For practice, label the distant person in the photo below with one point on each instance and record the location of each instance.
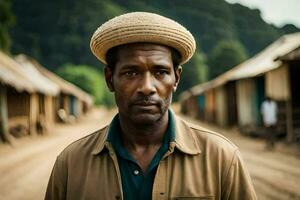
(269, 116)
(147, 152)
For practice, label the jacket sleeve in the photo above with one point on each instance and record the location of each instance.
(238, 184)
(56, 189)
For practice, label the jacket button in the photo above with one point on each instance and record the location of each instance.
(117, 197)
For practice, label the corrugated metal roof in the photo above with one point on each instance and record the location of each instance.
(10, 75)
(42, 83)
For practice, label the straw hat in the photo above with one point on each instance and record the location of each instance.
(142, 27)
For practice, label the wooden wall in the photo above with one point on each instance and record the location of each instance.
(231, 103)
(210, 106)
(18, 109)
(221, 106)
(246, 102)
(277, 83)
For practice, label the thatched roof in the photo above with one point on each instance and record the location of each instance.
(266, 60)
(269, 59)
(64, 86)
(42, 83)
(292, 56)
(10, 75)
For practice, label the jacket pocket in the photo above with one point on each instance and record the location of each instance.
(194, 198)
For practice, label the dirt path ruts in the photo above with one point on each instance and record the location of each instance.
(25, 168)
(276, 175)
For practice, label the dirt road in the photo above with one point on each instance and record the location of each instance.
(275, 174)
(25, 168)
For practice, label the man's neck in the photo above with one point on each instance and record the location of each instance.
(142, 142)
(134, 136)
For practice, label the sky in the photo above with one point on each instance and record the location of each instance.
(277, 12)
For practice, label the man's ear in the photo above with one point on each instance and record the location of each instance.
(108, 73)
(177, 77)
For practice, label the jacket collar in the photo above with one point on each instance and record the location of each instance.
(101, 141)
(185, 140)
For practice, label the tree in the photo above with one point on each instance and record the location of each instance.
(59, 31)
(224, 56)
(251, 30)
(7, 20)
(193, 73)
(289, 28)
(88, 79)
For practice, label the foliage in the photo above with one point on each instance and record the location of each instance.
(224, 56)
(7, 19)
(88, 79)
(194, 72)
(58, 31)
(253, 33)
(289, 28)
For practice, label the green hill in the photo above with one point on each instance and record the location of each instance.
(58, 31)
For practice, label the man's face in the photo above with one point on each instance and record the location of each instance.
(143, 82)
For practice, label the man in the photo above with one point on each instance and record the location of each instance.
(269, 116)
(147, 152)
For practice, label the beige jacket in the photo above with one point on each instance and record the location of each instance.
(198, 165)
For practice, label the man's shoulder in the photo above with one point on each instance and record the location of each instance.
(85, 145)
(211, 135)
(208, 139)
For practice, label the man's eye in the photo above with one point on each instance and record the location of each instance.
(130, 73)
(162, 72)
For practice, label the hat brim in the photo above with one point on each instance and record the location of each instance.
(172, 35)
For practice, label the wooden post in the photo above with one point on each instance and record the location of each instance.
(289, 121)
(33, 113)
(289, 108)
(49, 115)
(66, 103)
(4, 116)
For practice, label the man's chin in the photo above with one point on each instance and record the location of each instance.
(146, 119)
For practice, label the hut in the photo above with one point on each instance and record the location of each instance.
(71, 102)
(283, 84)
(47, 90)
(273, 72)
(200, 101)
(266, 75)
(190, 106)
(19, 98)
(11, 82)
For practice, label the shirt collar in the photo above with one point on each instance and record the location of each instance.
(181, 136)
(185, 139)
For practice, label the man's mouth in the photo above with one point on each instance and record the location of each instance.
(145, 104)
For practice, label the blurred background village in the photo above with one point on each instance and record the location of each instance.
(52, 90)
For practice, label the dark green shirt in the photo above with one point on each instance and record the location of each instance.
(136, 184)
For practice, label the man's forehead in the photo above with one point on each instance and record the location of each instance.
(145, 53)
(144, 47)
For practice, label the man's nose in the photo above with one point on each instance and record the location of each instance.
(147, 85)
